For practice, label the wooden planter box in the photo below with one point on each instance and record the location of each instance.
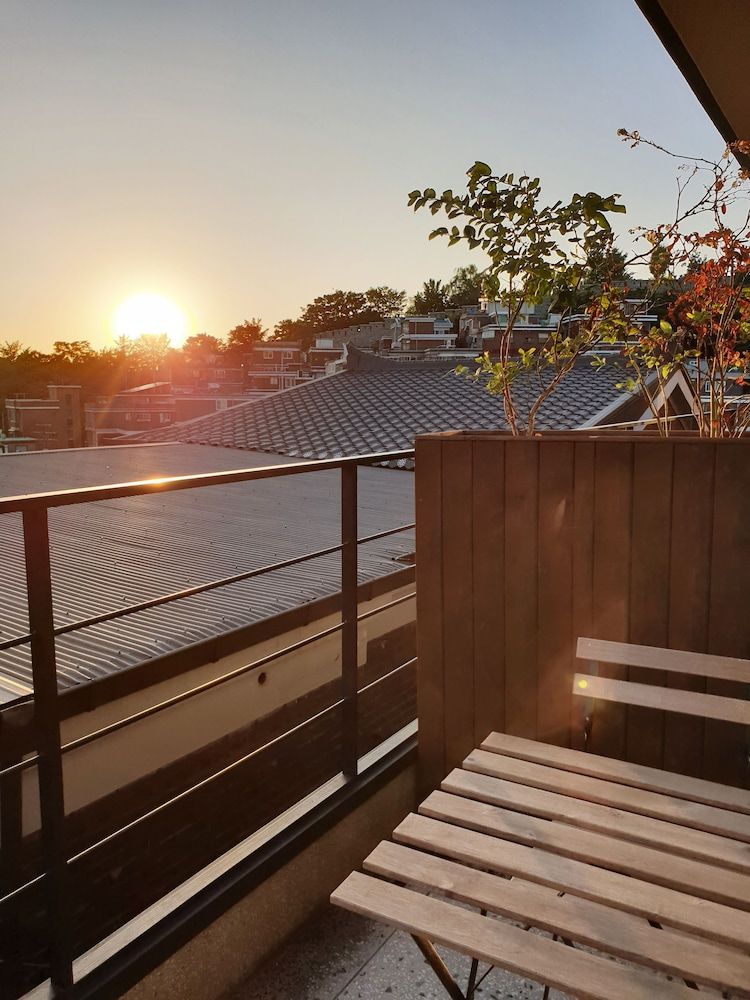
(525, 544)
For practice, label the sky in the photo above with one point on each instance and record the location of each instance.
(244, 156)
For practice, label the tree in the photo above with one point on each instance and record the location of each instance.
(150, 351)
(465, 287)
(10, 350)
(606, 266)
(201, 346)
(385, 301)
(294, 329)
(337, 310)
(242, 337)
(73, 352)
(535, 251)
(432, 298)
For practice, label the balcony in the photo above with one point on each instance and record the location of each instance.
(270, 760)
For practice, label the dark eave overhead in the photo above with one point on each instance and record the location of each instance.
(709, 41)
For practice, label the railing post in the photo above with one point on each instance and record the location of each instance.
(349, 617)
(47, 724)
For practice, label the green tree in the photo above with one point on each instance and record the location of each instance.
(434, 297)
(607, 266)
(337, 310)
(294, 329)
(73, 352)
(535, 251)
(385, 301)
(465, 287)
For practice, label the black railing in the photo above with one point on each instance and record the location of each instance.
(45, 727)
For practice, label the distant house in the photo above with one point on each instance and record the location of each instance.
(423, 333)
(380, 404)
(271, 365)
(51, 423)
(144, 407)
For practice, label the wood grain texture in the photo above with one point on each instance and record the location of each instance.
(674, 810)
(579, 920)
(708, 706)
(660, 659)
(614, 822)
(633, 775)
(658, 867)
(510, 948)
(679, 910)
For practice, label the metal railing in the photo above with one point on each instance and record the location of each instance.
(46, 726)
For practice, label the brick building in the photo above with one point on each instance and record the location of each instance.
(51, 423)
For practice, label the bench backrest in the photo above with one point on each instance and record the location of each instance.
(708, 706)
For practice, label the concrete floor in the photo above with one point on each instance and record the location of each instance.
(341, 956)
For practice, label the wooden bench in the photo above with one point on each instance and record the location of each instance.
(642, 865)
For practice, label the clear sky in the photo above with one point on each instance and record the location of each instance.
(244, 156)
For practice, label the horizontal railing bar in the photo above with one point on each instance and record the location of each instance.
(379, 680)
(203, 783)
(113, 727)
(155, 602)
(385, 534)
(116, 491)
(19, 890)
(20, 765)
(386, 607)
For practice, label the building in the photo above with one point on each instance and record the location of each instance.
(324, 353)
(363, 335)
(275, 364)
(144, 407)
(423, 333)
(51, 423)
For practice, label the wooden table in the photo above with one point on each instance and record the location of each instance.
(650, 867)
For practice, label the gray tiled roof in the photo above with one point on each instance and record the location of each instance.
(378, 405)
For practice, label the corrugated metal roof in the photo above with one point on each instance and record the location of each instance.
(110, 554)
(382, 405)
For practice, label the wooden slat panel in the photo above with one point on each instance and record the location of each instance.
(583, 567)
(458, 600)
(555, 625)
(649, 587)
(618, 823)
(489, 606)
(612, 538)
(726, 749)
(656, 867)
(708, 706)
(658, 658)
(709, 920)
(680, 811)
(520, 591)
(690, 575)
(576, 919)
(632, 775)
(430, 687)
(508, 947)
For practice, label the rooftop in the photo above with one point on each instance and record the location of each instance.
(382, 405)
(111, 554)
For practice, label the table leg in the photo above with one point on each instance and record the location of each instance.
(439, 968)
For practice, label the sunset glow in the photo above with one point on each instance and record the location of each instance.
(149, 313)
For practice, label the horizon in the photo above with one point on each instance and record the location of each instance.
(241, 161)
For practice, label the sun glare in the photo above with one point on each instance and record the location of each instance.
(151, 314)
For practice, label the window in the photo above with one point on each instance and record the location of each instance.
(288, 354)
(268, 355)
(165, 418)
(274, 380)
(143, 418)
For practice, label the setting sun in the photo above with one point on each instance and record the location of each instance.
(150, 314)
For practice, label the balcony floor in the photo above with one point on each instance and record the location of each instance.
(341, 956)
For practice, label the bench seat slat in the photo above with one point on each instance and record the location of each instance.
(680, 811)
(626, 654)
(679, 910)
(593, 924)
(632, 775)
(573, 971)
(655, 866)
(615, 822)
(707, 706)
